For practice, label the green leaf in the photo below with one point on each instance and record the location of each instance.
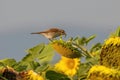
(76, 38)
(82, 40)
(52, 75)
(96, 47)
(42, 68)
(26, 65)
(46, 55)
(36, 49)
(83, 70)
(116, 33)
(33, 65)
(34, 52)
(20, 66)
(8, 62)
(92, 61)
(42, 53)
(90, 38)
(37, 56)
(28, 58)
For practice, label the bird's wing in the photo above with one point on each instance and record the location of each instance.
(53, 29)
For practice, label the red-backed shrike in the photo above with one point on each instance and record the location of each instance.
(51, 33)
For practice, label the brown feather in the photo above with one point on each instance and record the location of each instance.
(51, 29)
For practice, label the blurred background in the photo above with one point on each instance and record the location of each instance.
(18, 18)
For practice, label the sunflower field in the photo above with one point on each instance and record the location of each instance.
(78, 60)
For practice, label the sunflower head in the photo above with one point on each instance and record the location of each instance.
(65, 48)
(30, 75)
(103, 73)
(68, 66)
(110, 54)
(9, 74)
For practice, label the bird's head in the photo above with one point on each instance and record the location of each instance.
(63, 32)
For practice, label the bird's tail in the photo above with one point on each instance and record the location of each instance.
(36, 32)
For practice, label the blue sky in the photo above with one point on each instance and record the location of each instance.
(18, 18)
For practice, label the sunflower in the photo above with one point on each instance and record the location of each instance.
(65, 48)
(8, 73)
(98, 72)
(30, 75)
(110, 54)
(68, 66)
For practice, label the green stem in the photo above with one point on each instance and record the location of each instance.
(83, 49)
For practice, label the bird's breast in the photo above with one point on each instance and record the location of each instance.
(51, 35)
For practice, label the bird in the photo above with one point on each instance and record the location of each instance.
(51, 33)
